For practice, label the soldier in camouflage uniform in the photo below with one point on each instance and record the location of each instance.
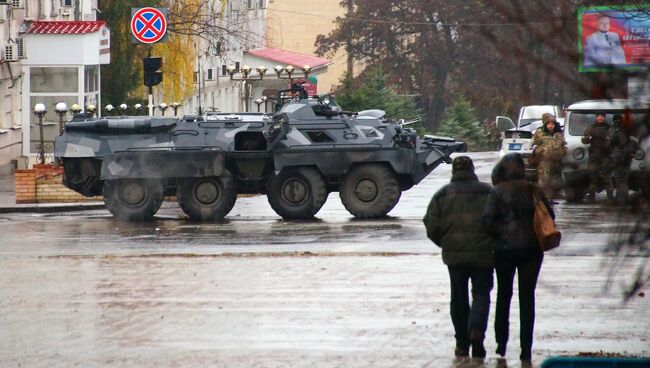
(598, 137)
(550, 148)
(623, 149)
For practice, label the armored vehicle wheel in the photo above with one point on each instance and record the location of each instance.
(297, 193)
(369, 191)
(207, 199)
(572, 194)
(133, 199)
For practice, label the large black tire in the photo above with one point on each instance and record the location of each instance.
(133, 199)
(207, 199)
(574, 194)
(369, 191)
(297, 193)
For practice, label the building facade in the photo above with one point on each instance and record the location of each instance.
(294, 25)
(50, 52)
(265, 33)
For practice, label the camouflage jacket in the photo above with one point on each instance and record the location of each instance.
(453, 222)
(598, 137)
(548, 146)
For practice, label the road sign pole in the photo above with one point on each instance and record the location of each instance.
(150, 101)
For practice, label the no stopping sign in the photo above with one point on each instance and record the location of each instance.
(148, 25)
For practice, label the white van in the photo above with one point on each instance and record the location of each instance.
(581, 115)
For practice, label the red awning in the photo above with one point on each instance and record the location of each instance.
(285, 57)
(65, 27)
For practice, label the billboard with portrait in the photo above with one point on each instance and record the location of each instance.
(613, 38)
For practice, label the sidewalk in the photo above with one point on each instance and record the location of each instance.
(8, 198)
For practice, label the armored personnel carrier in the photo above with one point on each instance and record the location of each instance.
(296, 156)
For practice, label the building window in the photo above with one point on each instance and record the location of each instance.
(91, 78)
(261, 4)
(210, 77)
(66, 3)
(54, 79)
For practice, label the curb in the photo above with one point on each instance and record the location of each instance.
(52, 207)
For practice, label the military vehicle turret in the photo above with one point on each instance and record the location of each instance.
(296, 156)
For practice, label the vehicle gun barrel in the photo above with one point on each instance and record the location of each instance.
(105, 125)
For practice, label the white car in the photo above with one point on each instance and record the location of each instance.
(518, 137)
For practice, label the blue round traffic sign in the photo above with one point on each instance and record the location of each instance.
(148, 25)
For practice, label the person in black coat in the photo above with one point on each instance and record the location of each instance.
(453, 222)
(508, 217)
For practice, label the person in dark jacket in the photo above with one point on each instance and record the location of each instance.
(598, 137)
(508, 218)
(453, 222)
(623, 149)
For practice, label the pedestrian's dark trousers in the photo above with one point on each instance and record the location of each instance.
(527, 263)
(621, 176)
(463, 317)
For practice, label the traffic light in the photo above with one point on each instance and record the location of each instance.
(151, 65)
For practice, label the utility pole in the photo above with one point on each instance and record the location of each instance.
(198, 79)
(348, 47)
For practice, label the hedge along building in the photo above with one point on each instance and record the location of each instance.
(62, 64)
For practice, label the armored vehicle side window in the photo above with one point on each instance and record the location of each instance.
(319, 137)
(250, 141)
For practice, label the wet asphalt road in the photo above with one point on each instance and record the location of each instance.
(84, 289)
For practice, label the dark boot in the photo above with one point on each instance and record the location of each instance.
(461, 351)
(501, 350)
(478, 350)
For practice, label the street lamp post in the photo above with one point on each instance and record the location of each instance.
(266, 100)
(175, 106)
(123, 108)
(90, 110)
(246, 77)
(40, 111)
(75, 109)
(258, 102)
(163, 107)
(61, 109)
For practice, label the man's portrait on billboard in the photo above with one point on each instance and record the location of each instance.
(603, 47)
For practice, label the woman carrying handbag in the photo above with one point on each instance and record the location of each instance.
(508, 217)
